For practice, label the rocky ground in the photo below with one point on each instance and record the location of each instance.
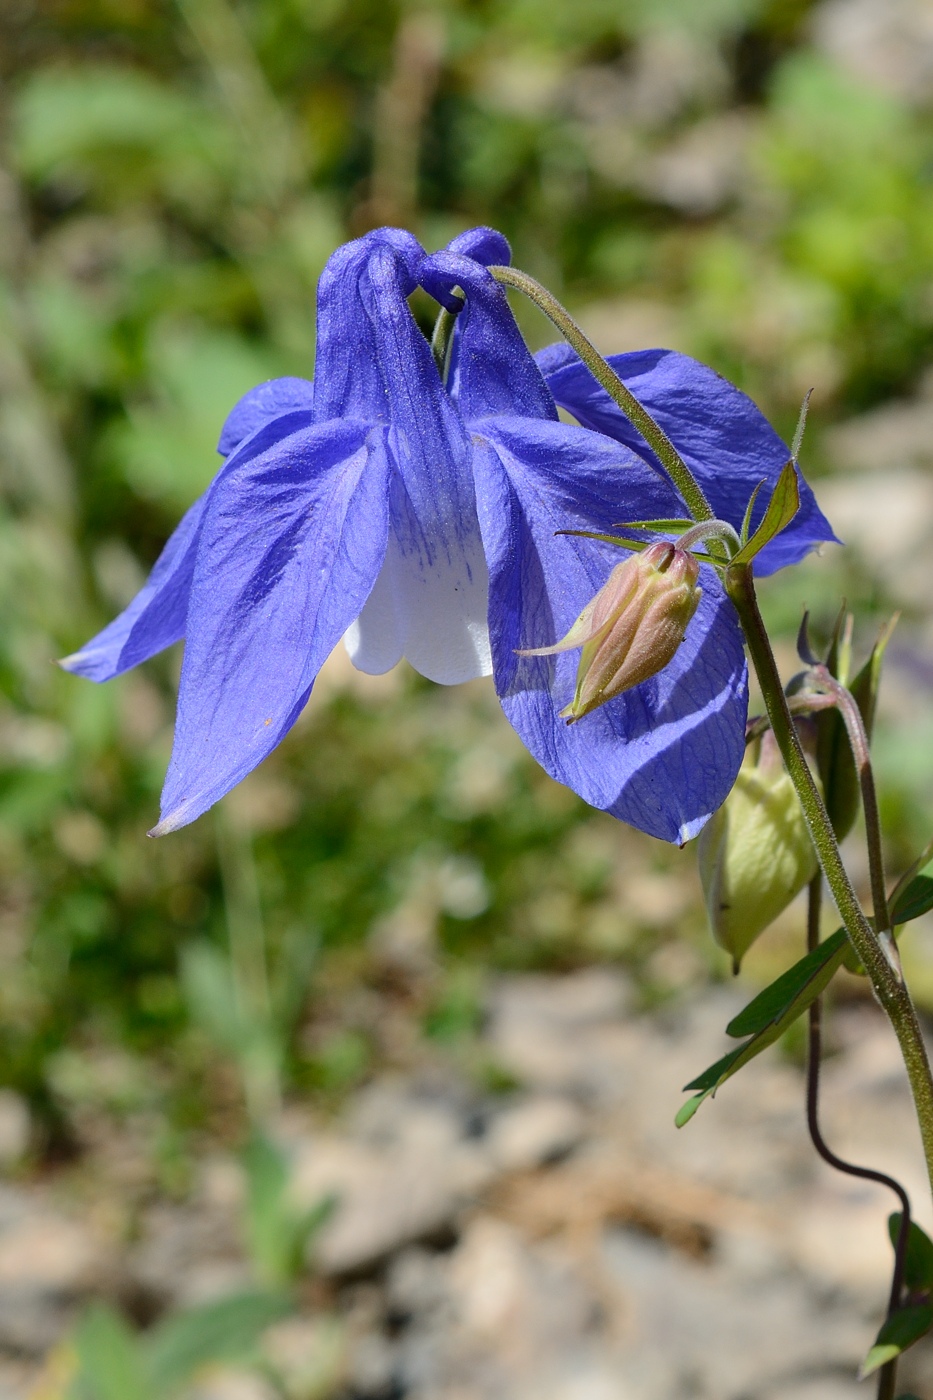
(559, 1241)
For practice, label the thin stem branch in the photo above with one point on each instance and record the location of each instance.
(888, 984)
(858, 740)
(638, 416)
(711, 530)
(249, 968)
(887, 1377)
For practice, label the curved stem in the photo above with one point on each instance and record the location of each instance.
(887, 1377)
(638, 416)
(858, 740)
(711, 530)
(886, 980)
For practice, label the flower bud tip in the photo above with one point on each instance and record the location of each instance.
(632, 627)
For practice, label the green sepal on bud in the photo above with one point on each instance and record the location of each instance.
(632, 628)
(755, 854)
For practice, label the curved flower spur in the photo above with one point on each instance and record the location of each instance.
(361, 507)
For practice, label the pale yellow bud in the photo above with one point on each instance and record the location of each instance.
(633, 626)
(755, 854)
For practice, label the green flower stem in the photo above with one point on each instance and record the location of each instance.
(638, 416)
(711, 530)
(886, 980)
(858, 741)
(440, 340)
(887, 1381)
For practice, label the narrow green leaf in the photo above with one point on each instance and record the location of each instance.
(661, 527)
(879, 1356)
(687, 1110)
(910, 900)
(223, 1331)
(208, 987)
(711, 1077)
(902, 1330)
(915, 900)
(782, 507)
(621, 541)
(918, 1265)
(269, 1213)
(308, 1225)
(801, 426)
(771, 1012)
(747, 519)
(111, 1364)
(915, 868)
(774, 1001)
(839, 656)
(636, 545)
(768, 1015)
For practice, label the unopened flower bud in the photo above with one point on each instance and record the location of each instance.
(633, 626)
(755, 854)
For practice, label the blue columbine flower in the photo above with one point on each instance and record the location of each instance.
(419, 520)
(663, 756)
(360, 479)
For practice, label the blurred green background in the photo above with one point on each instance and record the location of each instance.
(730, 177)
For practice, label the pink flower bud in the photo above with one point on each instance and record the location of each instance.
(633, 626)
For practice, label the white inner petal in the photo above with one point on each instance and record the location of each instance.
(375, 642)
(432, 614)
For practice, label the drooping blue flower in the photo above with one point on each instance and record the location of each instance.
(663, 755)
(360, 480)
(417, 520)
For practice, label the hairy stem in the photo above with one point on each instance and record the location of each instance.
(886, 980)
(638, 416)
(711, 530)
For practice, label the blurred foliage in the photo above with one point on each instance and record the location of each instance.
(111, 1363)
(172, 180)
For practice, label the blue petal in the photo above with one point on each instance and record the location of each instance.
(491, 370)
(725, 440)
(430, 604)
(292, 540)
(484, 245)
(663, 756)
(155, 619)
(353, 342)
(260, 406)
(156, 616)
